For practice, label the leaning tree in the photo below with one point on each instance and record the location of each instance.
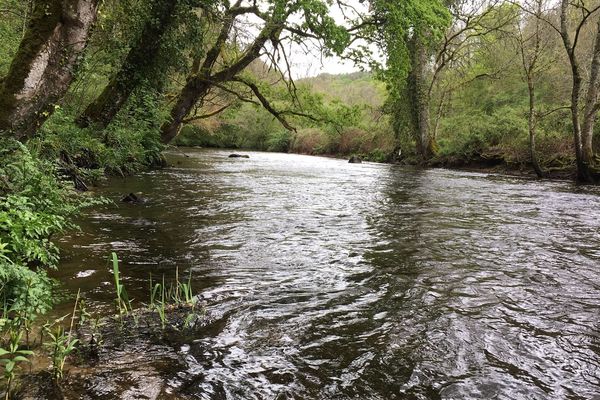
(270, 27)
(45, 63)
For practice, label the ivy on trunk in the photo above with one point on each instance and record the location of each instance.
(43, 68)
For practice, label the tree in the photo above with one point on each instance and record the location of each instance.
(419, 95)
(223, 62)
(141, 58)
(145, 60)
(406, 33)
(534, 47)
(573, 19)
(45, 63)
(583, 124)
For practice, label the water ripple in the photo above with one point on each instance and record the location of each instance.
(328, 280)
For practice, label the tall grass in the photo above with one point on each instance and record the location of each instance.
(122, 300)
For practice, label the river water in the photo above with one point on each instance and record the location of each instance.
(329, 280)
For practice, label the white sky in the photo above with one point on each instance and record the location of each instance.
(312, 64)
(304, 66)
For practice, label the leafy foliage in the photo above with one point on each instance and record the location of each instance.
(396, 22)
(11, 356)
(34, 206)
(345, 117)
(60, 345)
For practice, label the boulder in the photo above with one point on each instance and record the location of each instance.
(355, 160)
(234, 155)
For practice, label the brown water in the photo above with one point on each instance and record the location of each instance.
(329, 280)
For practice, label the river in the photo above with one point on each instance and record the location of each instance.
(329, 280)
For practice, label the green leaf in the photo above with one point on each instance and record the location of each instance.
(9, 366)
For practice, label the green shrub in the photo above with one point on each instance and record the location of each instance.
(127, 145)
(194, 135)
(35, 205)
(280, 141)
(476, 136)
(378, 155)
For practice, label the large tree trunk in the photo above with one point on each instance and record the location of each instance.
(138, 64)
(419, 98)
(590, 110)
(188, 97)
(43, 68)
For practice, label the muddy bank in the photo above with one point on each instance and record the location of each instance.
(500, 166)
(133, 357)
(513, 170)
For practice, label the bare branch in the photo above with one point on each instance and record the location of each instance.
(205, 116)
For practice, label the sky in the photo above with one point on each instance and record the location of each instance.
(314, 64)
(305, 65)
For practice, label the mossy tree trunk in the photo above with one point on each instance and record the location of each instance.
(187, 99)
(44, 65)
(591, 106)
(419, 99)
(140, 61)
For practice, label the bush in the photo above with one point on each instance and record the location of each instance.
(478, 136)
(352, 140)
(378, 155)
(193, 135)
(129, 144)
(311, 141)
(280, 141)
(35, 205)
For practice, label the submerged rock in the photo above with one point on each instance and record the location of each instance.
(355, 160)
(133, 198)
(235, 155)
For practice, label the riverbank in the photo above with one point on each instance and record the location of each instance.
(132, 356)
(43, 192)
(523, 170)
(518, 170)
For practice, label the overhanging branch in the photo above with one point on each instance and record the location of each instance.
(205, 116)
(266, 104)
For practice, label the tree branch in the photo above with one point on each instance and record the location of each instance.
(204, 116)
(265, 103)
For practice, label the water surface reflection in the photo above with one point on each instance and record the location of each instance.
(333, 280)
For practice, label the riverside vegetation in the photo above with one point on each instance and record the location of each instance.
(91, 88)
(80, 335)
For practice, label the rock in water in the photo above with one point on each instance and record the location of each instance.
(234, 155)
(133, 199)
(355, 160)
